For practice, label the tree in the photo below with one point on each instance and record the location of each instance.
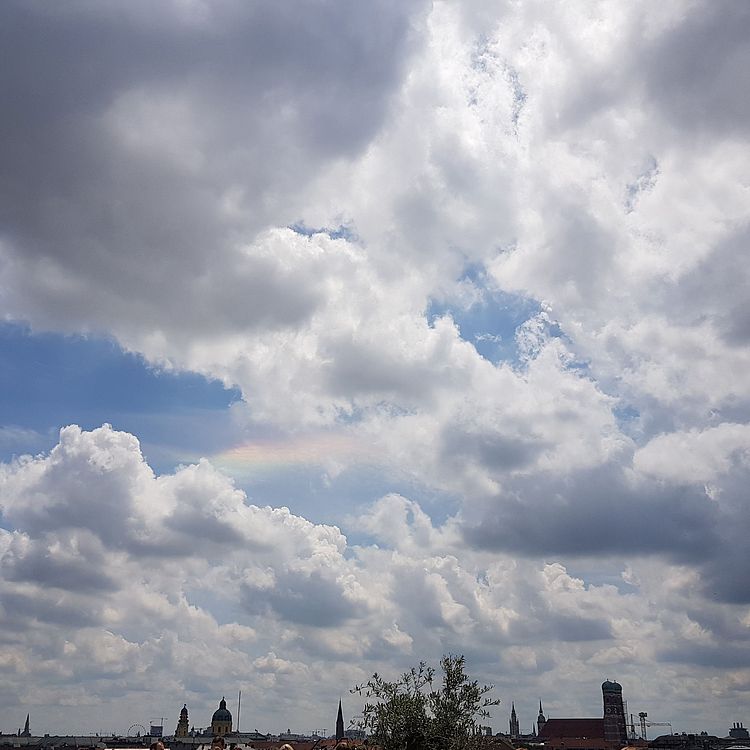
(409, 714)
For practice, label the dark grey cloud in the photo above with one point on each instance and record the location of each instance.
(601, 512)
(21, 609)
(715, 290)
(556, 626)
(696, 74)
(80, 566)
(193, 523)
(106, 222)
(725, 577)
(491, 450)
(691, 74)
(303, 598)
(724, 623)
(715, 656)
(572, 628)
(359, 367)
(598, 511)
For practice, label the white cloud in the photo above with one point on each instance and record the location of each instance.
(695, 456)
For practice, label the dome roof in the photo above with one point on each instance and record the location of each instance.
(221, 713)
(611, 687)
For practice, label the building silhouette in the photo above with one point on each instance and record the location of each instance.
(221, 721)
(514, 728)
(738, 731)
(541, 720)
(340, 724)
(615, 729)
(182, 724)
(607, 733)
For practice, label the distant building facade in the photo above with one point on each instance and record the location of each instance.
(607, 733)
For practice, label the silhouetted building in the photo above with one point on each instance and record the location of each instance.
(221, 721)
(560, 732)
(182, 724)
(607, 733)
(685, 741)
(340, 724)
(737, 732)
(514, 729)
(540, 720)
(615, 729)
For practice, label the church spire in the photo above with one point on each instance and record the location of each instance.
(26, 730)
(340, 724)
(541, 720)
(514, 728)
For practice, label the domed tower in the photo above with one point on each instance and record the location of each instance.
(615, 729)
(221, 721)
(182, 724)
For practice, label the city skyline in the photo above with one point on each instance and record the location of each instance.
(528, 724)
(337, 336)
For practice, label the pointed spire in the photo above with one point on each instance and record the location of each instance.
(26, 731)
(340, 723)
(515, 729)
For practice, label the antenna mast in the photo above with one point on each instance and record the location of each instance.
(239, 705)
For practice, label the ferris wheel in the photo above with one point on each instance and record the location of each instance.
(140, 733)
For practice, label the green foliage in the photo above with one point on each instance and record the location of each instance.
(410, 714)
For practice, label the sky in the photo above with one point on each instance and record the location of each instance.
(339, 336)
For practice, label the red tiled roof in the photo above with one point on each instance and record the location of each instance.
(574, 728)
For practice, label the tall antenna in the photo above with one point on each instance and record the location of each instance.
(239, 705)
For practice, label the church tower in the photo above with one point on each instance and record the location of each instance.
(182, 724)
(340, 724)
(221, 721)
(615, 729)
(541, 720)
(514, 729)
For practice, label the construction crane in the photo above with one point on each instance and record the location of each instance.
(643, 716)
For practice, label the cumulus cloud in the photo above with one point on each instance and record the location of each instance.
(280, 598)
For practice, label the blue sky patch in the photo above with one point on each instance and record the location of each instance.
(341, 232)
(490, 325)
(48, 380)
